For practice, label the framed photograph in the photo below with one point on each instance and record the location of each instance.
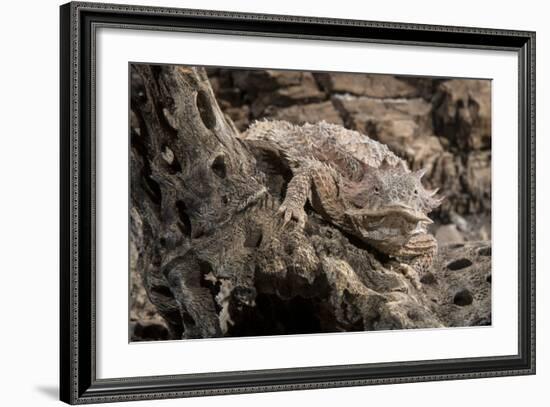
(255, 203)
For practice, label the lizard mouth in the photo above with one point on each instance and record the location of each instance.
(400, 210)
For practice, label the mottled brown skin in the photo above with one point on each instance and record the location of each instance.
(355, 183)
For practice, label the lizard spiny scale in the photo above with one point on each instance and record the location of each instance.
(355, 183)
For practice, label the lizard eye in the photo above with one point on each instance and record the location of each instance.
(376, 189)
(416, 191)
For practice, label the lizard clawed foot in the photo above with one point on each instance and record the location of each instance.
(291, 212)
(411, 274)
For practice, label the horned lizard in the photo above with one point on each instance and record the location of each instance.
(356, 184)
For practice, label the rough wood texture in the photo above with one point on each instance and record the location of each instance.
(215, 259)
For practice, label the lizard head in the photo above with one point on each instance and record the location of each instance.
(389, 201)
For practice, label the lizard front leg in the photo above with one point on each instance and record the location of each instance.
(318, 183)
(296, 196)
(420, 252)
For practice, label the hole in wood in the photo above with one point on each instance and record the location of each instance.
(463, 298)
(152, 189)
(185, 222)
(172, 164)
(218, 166)
(484, 251)
(428, 279)
(205, 110)
(459, 264)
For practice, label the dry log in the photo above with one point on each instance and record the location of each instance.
(215, 258)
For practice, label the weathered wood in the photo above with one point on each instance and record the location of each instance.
(211, 248)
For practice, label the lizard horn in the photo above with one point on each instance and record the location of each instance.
(420, 173)
(433, 192)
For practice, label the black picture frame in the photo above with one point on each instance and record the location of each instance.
(78, 382)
